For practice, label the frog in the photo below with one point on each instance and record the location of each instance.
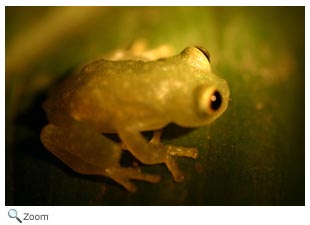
(129, 93)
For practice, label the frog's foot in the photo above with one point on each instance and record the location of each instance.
(174, 169)
(139, 48)
(155, 152)
(172, 153)
(123, 175)
(174, 150)
(182, 152)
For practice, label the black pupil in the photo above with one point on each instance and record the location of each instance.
(216, 100)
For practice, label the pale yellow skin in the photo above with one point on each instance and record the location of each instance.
(127, 97)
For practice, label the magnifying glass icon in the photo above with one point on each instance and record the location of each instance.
(13, 214)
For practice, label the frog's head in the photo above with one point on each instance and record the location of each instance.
(210, 92)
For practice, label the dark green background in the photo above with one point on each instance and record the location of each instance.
(254, 154)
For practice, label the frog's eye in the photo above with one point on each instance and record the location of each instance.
(215, 100)
(210, 100)
(205, 52)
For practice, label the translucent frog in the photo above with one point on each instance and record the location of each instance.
(133, 91)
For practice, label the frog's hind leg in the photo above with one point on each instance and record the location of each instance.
(83, 149)
(89, 152)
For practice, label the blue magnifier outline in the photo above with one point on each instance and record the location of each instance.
(13, 214)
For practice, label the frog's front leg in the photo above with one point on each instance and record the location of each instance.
(174, 150)
(155, 139)
(154, 152)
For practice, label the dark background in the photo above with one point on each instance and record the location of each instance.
(254, 154)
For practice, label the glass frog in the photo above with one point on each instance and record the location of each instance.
(132, 93)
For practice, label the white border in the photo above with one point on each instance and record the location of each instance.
(165, 215)
(160, 215)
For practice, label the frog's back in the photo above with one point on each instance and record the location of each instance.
(59, 97)
(96, 87)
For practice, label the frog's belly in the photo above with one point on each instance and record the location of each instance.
(113, 125)
(111, 119)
